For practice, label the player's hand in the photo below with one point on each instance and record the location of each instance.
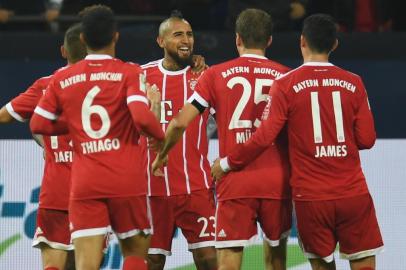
(158, 164)
(153, 94)
(198, 64)
(216, 171)
(154, 144)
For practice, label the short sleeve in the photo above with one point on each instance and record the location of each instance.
(49, 106)
(136, 86)
(22, 107)
(204, 89)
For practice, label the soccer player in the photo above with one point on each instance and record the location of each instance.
(52, 234)
(238, 90)
(106, 109)
(328, 118)
(184, 197)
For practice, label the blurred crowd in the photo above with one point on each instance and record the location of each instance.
(351, 15)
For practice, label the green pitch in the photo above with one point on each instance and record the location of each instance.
(253, 258)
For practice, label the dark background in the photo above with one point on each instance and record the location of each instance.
(379, 58)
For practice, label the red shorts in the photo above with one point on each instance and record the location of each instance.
(52, 229)
(126, 216)
(192, 213)
(350, 221)
(236, 221)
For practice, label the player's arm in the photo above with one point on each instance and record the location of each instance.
(364, 126)
(145, 121)
(263, 137)
(46, 123)
(5, 116)
(177, 126)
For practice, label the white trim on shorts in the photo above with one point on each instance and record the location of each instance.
(159, 251)
(275, 243)
(235, 243)
(201, 245)
(90, 232)
(131, 233)
(55, 245)
(362, 254)
(327, 259)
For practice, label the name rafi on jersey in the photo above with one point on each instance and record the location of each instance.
(325, 82)
(63, 156)
(100, 146)
(99, 76)
(331, 151)
(257, 70)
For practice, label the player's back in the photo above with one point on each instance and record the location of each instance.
(239, 94)
(325, 103)
(58, 153)
(93, 94)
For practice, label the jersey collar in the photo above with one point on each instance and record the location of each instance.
(318, 64)
(250, 55)
(98, 57)
(169, 72)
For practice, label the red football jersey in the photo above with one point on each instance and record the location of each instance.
(58, 153)
(188, 168)
(328, 120)
(238, 91)
(93, 95)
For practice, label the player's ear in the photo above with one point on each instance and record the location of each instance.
(238, 40)
(269, 42)
(335, 45)
(116, 36)
(63, 52)
(302, 42)
(82, 38)
(160, 42)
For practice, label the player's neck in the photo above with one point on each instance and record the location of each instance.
(315, 57)
(171, 65)
(242, 51)
(108, 51)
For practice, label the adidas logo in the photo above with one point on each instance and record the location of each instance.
(222, 233)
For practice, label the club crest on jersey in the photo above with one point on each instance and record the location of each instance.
(192, 83)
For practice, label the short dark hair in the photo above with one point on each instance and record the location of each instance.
(98, 26)
(75, 49)
(320, 32)
(254, 27)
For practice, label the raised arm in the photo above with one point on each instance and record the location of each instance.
(174, 132)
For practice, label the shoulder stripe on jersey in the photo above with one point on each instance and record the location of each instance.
(198, 98)
(168, 191)
(150, 64)
(185, 88)
(44, 113)
(139, 98)
(13, 113)
(289, 72)
(201, 156)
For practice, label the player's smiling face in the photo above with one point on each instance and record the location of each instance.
(179, 42)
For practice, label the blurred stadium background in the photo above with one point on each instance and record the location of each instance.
(29, 49)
